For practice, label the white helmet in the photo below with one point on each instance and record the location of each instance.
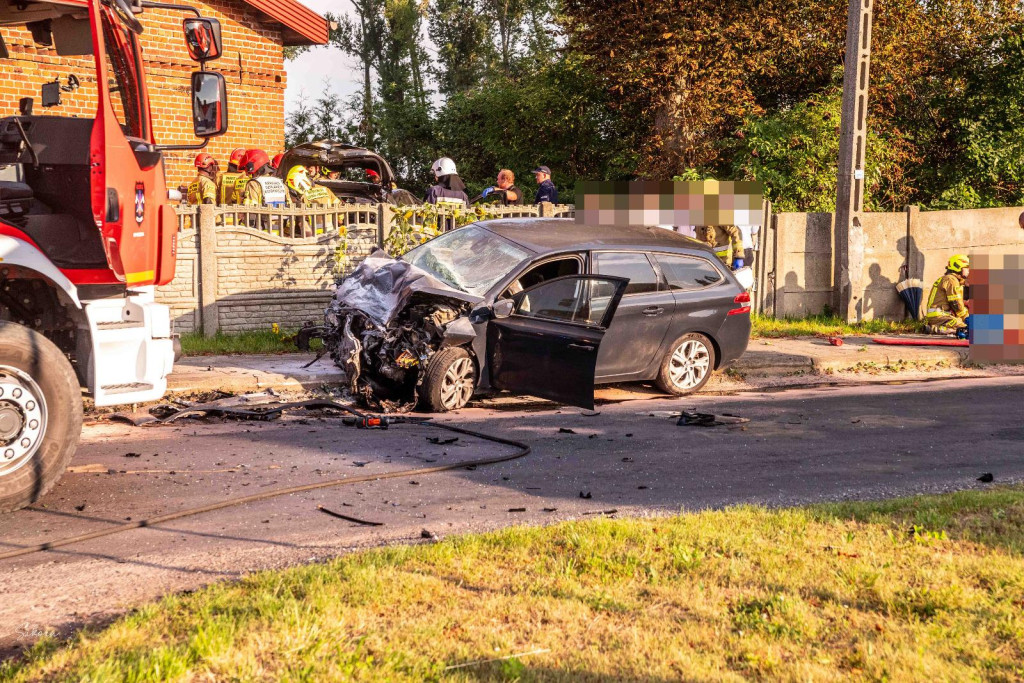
(443, 166)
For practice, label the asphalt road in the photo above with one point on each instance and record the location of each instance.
(800, 445)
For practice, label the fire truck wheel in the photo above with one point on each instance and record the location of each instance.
(40, 415)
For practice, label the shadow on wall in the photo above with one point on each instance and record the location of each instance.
(877, 295)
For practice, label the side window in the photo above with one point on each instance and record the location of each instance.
(581, 300)
(631, 265)
(687, 272)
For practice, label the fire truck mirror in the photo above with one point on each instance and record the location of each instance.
(202, 38)
(209, 104)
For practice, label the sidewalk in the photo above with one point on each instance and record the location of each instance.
(764, 357)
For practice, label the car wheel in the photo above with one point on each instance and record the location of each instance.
(688, 365)
(40, 415)
(450, 380)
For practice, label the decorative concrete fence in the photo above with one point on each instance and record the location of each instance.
(246, 269)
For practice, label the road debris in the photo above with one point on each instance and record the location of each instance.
(586, 496)
(549, 509)
(441, 441)
(986, 478)
(427, 533)
(590, 413)
(566, 430)
(347, 518)
(601, 512)
(517, 509)
(133, 455)
(694, 419)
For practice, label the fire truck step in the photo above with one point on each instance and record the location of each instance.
(131, 388)
(119, 324)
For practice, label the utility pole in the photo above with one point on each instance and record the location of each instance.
(848, 247)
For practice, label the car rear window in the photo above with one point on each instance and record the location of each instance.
(632, 265)
(688, 272)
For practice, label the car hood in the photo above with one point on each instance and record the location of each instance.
(381, 287)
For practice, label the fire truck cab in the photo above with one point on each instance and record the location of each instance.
(86, 228)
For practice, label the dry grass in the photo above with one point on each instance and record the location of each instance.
(920, 589)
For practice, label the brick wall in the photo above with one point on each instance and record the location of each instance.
(253, 64)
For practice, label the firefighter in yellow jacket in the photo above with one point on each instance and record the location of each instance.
(305, 194)
(947, 312)
(727, 242)
(226, 183)
(203, 190)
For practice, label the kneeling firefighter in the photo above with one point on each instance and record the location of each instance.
(726, 240)
(947, 312)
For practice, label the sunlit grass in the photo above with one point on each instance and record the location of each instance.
(814, 325)
(251, 342)
(918, 589)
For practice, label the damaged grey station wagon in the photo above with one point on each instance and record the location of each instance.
(544, 307)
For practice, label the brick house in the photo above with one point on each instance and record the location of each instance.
(255, 33)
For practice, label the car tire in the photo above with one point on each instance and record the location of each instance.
(450, 380)
(40, 415)
(688, 365)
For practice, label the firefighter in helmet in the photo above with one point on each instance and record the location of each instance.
(203, 190)
(276, 161)
(227, 181)
(305, 194)
(947, 312)
(263, 188)
(726, 240)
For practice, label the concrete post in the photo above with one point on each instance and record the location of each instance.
(848, 250)
(547, 210)
(912, 256)
(207, 247)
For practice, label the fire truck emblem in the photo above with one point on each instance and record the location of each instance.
(140, 202)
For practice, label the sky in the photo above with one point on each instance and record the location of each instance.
(308, 73)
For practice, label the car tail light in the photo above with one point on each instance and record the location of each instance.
(742, 298)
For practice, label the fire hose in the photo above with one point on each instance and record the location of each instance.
(271, 411)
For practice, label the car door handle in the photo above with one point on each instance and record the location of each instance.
(653, 310)
(582, 347)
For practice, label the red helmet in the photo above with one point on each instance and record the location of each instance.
(255, 159)
(204, 160)
(237, 157)
(276, 163)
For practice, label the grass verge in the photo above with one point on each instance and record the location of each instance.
(928, 588)
(765, 327)
(255, 341)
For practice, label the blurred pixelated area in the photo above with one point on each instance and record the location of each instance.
(996, 301)
(669, 203)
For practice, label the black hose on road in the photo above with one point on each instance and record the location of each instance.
(522, 451)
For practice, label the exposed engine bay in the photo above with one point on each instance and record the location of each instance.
(387, 319)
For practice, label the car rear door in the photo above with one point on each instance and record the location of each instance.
(548, 346)
(642, 319)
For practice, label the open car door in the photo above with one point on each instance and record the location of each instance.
(547, 346)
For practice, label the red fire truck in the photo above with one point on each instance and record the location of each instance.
(86, 229)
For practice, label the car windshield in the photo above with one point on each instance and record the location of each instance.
(469, 259)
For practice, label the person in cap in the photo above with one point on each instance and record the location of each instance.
(227, 181)
(504, 190)
(546, 190)
(203, 190)
(449, 188)
(947, 311)
(304, 193)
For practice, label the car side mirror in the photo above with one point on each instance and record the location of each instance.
(202, 38)
(503, 308)
(209, 104)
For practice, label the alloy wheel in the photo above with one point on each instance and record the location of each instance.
(458, 384)
(690, 364)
